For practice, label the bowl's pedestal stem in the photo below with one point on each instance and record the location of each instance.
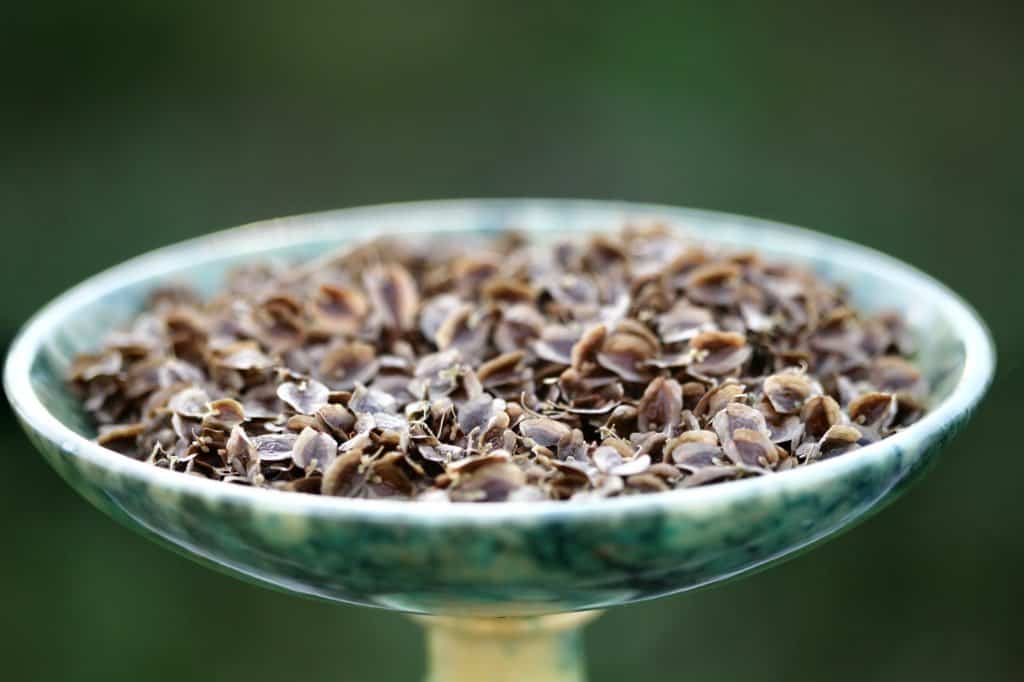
(538, 649)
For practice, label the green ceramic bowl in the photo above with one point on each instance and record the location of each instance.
(502, 559)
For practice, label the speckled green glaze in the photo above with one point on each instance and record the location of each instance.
(505, 559)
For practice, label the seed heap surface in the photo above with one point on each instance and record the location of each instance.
(496, 370)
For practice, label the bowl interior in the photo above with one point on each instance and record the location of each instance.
(876, 282)
(503, 558)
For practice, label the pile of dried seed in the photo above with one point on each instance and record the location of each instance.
(502, 370)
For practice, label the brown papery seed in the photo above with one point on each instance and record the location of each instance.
(660, 406)
(819, 414)
(787, 392)
(720, 353)
(339, 309)
(543, 431)
(394, 295)
(305, 397)
(346, 364)
(313, 449)
(342, 476)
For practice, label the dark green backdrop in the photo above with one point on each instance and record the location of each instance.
(126, 127)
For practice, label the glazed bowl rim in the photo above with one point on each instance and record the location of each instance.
(976, 375)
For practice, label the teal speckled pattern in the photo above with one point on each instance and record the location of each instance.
(503, 559)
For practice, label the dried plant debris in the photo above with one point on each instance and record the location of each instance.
(503, 370)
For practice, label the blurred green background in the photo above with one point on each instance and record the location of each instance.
(127, 126)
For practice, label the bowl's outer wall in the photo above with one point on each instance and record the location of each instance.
(426, 560)
(544, 565)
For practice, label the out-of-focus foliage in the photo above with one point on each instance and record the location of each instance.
(127, 127)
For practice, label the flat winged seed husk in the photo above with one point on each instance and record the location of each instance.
(787, 391)
(819, 414)
(751, 448)
(314, 450)
(394, 293)
(503, 369)
(660, 407)
(544, 431)
(344, 365)
(684, 321)
(189, 402)
(342, 477)
(305, 396)
(874, 410)
(839, 440)
(339, 310)
(719, 353)
(274, 447)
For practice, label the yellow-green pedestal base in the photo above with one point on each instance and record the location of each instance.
(538, 649)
